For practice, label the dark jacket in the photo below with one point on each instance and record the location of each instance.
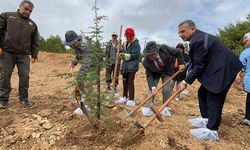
(83, 56)
(133, 49)
(212, 63)
(111, 52)
(18, 34)
(182, 75)
(166, 53)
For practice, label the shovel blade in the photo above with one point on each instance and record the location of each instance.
(133, 135)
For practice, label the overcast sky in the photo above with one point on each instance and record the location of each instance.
(152, 19)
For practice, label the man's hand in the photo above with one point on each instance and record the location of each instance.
(181, 68)
(1, 52)
(154, 91)
(183, 85)
(71, 66)
(34, 59)
(238, 78)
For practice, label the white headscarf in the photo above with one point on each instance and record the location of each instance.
(247, 35)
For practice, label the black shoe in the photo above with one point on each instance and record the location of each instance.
(115, 90)
(108, 87)
(3, 104)
(26, 103)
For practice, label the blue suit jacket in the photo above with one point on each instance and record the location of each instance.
(213, 64)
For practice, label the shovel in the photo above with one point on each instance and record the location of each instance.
(82, 108)
(152, 95)
(136, 131)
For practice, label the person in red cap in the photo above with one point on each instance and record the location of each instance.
(130, 55)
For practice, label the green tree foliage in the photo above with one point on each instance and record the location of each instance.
(232, 34)
(51, 44)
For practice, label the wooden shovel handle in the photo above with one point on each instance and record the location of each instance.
(162, 107)
(152, 95)
(117, 58)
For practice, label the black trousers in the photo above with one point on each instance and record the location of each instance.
(128, 85)
(211, 106)
(247, 116)
(8, 61)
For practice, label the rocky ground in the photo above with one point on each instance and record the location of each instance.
(51, 123)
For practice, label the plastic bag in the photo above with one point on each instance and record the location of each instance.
(130, 103)
(166, 112)
(198, 122)
(146, 111)
(78, 111)
(205, 134)
(121, 100)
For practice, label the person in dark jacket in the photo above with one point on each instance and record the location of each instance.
(158, 64)
(130, 65)
(215, 66)
(181, 76)
(18, 40)
(111, 50)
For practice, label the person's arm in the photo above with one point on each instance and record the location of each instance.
(199, 61)
(175, 53)
(2, 28)
(34, 44)
(150, 79)
(240, 73)
(108, 47)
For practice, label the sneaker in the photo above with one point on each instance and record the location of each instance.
(198, 122)
(205, 134)
(121, 100)
(3, 104)
(26, 103)
(166, 112)
(130, 103)
(146, 111)
(246, 122)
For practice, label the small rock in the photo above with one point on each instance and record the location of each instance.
(35, 147)
(10, 140)
(44, 146)
(45, 112)
(47, 125)
(52, 139)
(4, 132)
(26, 135)
(35, 135)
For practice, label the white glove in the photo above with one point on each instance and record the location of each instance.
(127, 56)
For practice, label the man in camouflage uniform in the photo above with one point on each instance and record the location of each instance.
(83, 57)
(18, 40)
(111, 50)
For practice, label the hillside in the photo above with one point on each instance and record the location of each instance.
(51, 124)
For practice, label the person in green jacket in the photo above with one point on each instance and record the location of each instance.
(18, 40)
(131, 57)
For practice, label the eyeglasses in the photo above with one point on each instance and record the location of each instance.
(183, 31)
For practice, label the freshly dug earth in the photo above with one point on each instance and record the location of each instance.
(51, 124)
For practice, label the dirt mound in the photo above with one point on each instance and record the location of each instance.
(51, 124)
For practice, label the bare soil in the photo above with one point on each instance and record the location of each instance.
(51, 123)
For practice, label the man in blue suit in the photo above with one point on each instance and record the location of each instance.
(215, 67)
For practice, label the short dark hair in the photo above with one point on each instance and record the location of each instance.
(190, 23)
(26, 2)
(180, 46)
